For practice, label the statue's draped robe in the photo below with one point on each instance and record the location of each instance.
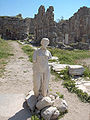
(41, 72)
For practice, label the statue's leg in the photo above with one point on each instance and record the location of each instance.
(45, 85)
(36, 83)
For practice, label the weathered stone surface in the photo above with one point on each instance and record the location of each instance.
(60, 104)
(74, 32)
(50, 113)
(41, 72)
(55, 115)
(58, 67)
(52, 97)
(14, 28)
(76, 29)
(54, 58)
(83, 84)
(57, 102)
(44, 102)
(31, 100)
(76, 69)
(45, 25)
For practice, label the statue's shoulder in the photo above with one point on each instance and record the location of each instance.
(37, 51)
(48, 51)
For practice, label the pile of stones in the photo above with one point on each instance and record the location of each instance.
(48, 108)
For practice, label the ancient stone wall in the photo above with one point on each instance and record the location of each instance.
(77, 27)
(45, 25)
(14, 27)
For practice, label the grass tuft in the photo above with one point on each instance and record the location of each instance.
(4, 55)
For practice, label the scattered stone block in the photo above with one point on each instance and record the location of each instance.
(50, 113)
(54, 58)
(31, 100)
(58, 67)
(55, 115)
(52, 97)
(44, 102)
(60, 104)
(76, 69)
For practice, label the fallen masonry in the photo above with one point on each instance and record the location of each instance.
(46, 107)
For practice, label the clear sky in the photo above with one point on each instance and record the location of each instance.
(28, 8)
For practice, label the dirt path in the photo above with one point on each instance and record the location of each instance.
(16, 83)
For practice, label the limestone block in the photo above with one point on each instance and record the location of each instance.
(52, 97)
(76, 69)
(44, 102)
(55, 115)
(58, 67)
(60, 104)
(50, 113)
(31, 100)
(57, 102)
(54, 58)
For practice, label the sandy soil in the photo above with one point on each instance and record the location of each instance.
(17, 79)
(18, 72)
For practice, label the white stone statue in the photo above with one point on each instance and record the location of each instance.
(41, 72)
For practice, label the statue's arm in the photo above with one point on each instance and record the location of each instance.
(35, 56)
(50, 56)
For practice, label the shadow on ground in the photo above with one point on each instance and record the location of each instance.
(23, 114)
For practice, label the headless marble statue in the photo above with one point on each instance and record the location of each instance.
(41, 72)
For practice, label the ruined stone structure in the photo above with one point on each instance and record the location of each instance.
(45, 25)
(77, 27)
(14, 28)
(74, 30)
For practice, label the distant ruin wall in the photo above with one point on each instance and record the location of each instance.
(77, 27)
(45, 25)
(14, 28)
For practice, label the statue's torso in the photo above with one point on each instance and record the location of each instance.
(42, 57)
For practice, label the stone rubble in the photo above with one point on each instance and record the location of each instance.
(49, 107)
(82, 84)
(31, 100)
(73, 69)
(76, 70)
(48, 112)
(65, 34)
(44, 102)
